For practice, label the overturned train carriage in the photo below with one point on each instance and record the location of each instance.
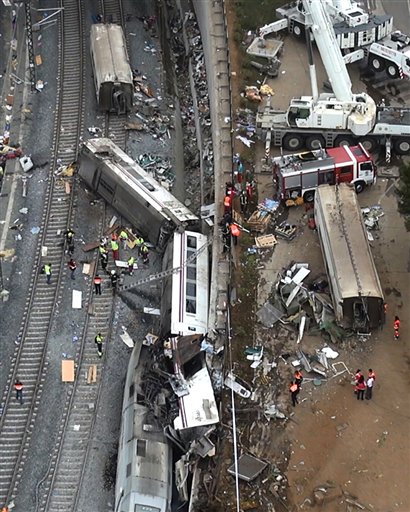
(112, 71)
(355, 287)
(144, 468)
(139, 198)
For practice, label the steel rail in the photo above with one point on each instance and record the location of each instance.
(29, 362)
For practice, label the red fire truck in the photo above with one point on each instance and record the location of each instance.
(299, 175)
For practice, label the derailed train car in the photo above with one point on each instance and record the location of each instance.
(144, 469)
(138, 197)
(112, 71)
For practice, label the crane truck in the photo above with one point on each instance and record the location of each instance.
(361, 36)
(338, 118)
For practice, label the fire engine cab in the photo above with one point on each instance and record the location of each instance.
(299, 175)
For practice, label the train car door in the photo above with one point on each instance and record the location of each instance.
(106, 186)
(119, 103)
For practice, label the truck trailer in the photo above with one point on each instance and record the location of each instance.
(355, 288)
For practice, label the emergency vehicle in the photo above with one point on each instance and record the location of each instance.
(298, 175)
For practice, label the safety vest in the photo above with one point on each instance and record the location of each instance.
(144, 248)
(139, 241)
(124, 235)
(70, 234)
(97, 280)
(18, 386)
(227, 201)
(293, 388)
(131, 260)
(298, 375)
(114, 245)
(98, 339)
(47, 269)
(235, 231)
(102, 249)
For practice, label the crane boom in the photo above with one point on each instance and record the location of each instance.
(322, 29)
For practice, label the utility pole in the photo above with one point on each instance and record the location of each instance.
(30, 45)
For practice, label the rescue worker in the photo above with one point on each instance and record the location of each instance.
(72, 265)
(298, 379)
(69, 238)
(145, 254)
(360, 387)
(47, 271)
(294, 390)
(97, 284)
(115, 247)
(99, 341)
(104, 261)
(18, 386)
(139, 242)
(396, 326)
(235, 232)
(227, 204)
(124, 238)
(114, 280)
(130, 262)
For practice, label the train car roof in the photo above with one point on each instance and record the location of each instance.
(353, 263)
(139, 180)
(110, 53)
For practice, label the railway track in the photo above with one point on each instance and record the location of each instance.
(29, 364)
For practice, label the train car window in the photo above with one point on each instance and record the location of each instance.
(190, 306)
(141, 447)
(131, 391)
(191, 289)
(191, 242)
(191, 272)
(147, 185)
(190, 253)
(129, 470)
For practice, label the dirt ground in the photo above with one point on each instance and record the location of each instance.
(356, 450)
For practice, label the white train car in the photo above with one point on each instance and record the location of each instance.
(136, 195)
(144, 468)
(112, 71)
(185, 294)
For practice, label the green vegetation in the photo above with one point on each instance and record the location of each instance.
(404, 190)
(252, 14)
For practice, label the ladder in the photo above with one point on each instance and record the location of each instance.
(166, 273)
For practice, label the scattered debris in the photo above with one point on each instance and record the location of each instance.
(249, 467)
(237, 385)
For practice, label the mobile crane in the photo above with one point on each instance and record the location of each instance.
(360, 35)
(337, 119)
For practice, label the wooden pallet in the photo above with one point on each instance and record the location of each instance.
(265, 241)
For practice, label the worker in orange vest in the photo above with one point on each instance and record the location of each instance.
(294, 390)
(235, 232)
(227, 204)
(298, 379)
(396, 326)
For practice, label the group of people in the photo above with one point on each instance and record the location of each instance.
(363, 387)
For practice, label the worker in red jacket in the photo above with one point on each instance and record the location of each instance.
(360, 387)
(294, 390)
(396, 327)
(235, 232)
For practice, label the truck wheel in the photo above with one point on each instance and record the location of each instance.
(344, 140)
(315, 142)
(376, 63)
(369, 144)
(292, 141)
(298, 30)
(309, 196)
(393, 71)
(359, 187)
(402, 146)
